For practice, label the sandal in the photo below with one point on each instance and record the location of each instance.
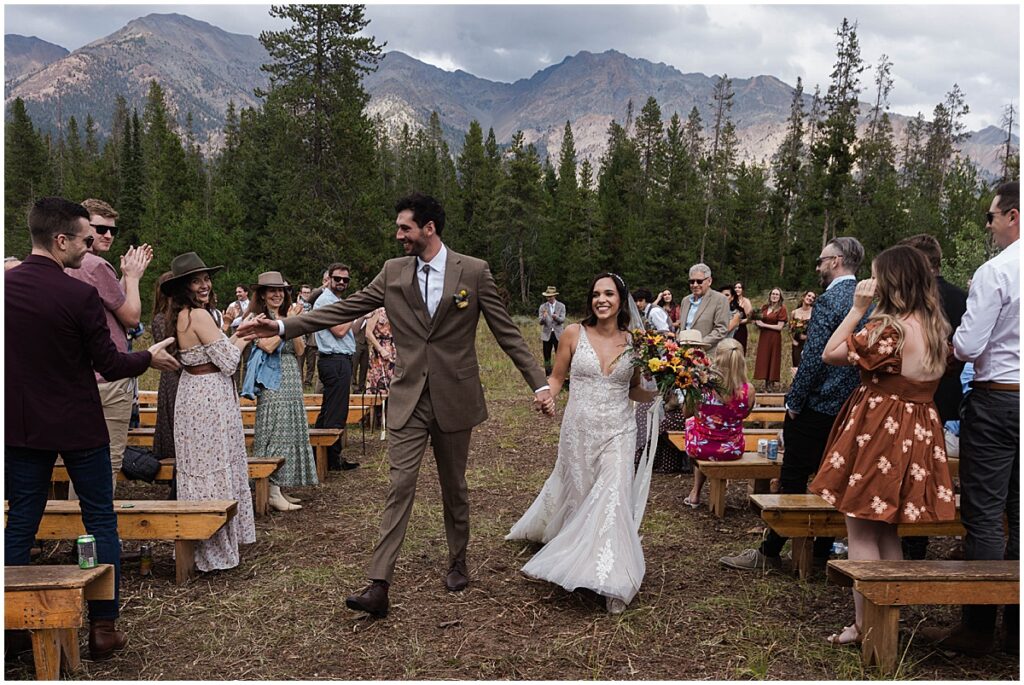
(850, 635)
(690, 503)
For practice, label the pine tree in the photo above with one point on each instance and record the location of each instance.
(1011, 154)
(25, 176)
(721, 159)
(788, 174)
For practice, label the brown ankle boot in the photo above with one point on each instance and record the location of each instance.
(105, 639)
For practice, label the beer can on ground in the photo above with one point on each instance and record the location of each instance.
(762, 447)
(86, 551)
(773, 449)
(146, 560)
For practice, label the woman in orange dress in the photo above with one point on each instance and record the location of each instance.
(768, 363)
(885, 462)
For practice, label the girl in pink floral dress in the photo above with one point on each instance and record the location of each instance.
(716, 432)
(885, 462)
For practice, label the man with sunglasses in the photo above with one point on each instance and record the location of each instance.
(335, 347)
(123, 308)
(989, 336)
(56, 336)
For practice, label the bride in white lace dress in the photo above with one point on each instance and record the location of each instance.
(585, 514)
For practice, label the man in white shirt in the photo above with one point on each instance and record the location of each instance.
(989, 336)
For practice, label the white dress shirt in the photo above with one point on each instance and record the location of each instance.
(989, 333)
(659, 319)
(435, 284)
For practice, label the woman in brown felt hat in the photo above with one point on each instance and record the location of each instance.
(282, 429)
(209, 443)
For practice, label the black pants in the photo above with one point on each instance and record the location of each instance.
(990, 487)
(336, 374)
(361, 362)
(550, 345)
(805, 438)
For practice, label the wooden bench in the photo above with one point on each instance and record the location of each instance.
(751, 466)
(764, 416)
(750, 438)
(770, 399)
(260, 471)
(147, 415)
(805, 517)
(888, 585)
(148, 398)
(185, 522)
(47, 602)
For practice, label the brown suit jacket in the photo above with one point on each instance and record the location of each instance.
(438, 353)
(712, 319)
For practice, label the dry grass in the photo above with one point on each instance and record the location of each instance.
(281, 615)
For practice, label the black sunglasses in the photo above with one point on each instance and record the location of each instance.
(992, 215)
(819, 260)
(697, 281)
(340, 279)
(102, 229)
(87, 239)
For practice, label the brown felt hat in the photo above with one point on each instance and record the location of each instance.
(186, 266)
(271, 279)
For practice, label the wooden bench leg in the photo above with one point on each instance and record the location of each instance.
(69, 655)
(262, 504)
(46, 652)
(716, 496)
(321, 462)
(881, 636)
(184, 560)
(762, 486)
(803, 553)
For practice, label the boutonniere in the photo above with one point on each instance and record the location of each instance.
(461, 298)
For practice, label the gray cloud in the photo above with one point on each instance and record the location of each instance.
(931, 46)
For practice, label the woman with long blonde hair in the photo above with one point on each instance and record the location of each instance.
(885, 461)
(716, 432)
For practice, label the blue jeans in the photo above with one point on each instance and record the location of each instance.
(27, 474)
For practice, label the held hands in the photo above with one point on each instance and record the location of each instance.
(135, 261)
(162, 360)
(295, 309)
(258, 327)
(544, 402)
(864, 294)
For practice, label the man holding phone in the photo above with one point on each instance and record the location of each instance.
(123, 308)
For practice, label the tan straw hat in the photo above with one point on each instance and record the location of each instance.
(550, 292)
(690, 337)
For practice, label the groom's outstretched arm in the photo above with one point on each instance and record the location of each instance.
(363, 302)
(507, 332)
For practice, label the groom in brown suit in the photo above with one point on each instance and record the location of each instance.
(433, 298)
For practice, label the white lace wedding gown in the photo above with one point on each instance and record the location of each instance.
(584, 514)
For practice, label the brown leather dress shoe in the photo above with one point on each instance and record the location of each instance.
(960, 639)
(457, 579)
(105, 639)
(373, 599)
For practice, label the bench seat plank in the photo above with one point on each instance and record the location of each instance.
(888, 585)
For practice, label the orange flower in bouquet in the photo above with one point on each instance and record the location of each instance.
(673, 366)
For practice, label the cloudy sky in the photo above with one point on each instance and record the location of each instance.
(932, 46)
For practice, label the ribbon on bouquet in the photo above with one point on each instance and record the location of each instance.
(642, 478)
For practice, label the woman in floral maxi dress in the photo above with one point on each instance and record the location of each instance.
(208, 437)
(885, 462)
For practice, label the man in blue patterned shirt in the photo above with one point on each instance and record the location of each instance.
(818, 393)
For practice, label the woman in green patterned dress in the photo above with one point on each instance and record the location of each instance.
(282, 429)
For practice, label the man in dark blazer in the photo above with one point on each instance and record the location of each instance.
(815, 398)
(56, 334)
(433, 298)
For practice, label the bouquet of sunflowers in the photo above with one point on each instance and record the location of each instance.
(674, 365)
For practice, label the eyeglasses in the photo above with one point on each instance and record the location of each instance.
(992, 215)
(819, 260)
(102, 229)
(340, 279)
(698, 281)
(87, 239)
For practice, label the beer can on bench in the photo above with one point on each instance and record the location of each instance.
(762, 447)
(773, 449)
(86, 551)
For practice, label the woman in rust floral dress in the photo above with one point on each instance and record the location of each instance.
(768, 363)
(885, 462)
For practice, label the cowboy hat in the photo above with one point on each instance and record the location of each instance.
(690, 337)
(185, 266)
(550, 292)
(271, 279)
